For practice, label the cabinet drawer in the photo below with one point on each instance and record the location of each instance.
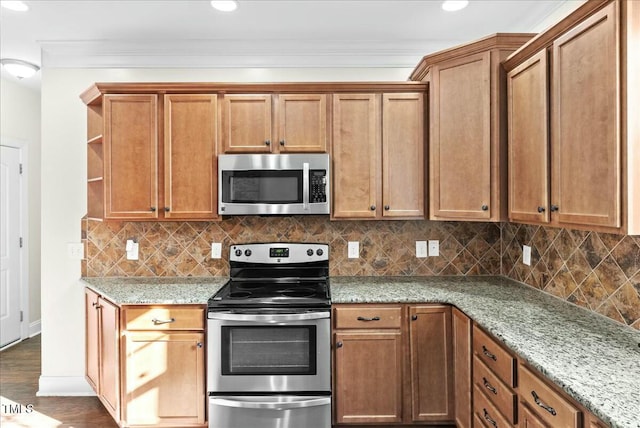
(487, 412)
(368, 317)
(164, 318)
(494, 356)
(550, 406)
(498, 393)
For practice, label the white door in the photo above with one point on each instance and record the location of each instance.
(9, 245)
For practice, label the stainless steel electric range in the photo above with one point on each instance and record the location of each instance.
(269, 362)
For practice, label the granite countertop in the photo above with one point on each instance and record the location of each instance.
(156, 290)
(592, 358)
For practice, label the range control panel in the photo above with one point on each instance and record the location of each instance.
(276, 252)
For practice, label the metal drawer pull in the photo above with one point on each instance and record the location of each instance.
(541, 404)
(489, 386)
(368, 319)
(486, 352)
(157, 321)
(488, 418)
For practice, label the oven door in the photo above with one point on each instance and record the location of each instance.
(269, 353)
(273, 411)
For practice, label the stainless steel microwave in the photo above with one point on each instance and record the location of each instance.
(273, 184)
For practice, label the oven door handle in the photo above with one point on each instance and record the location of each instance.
(239, 402)
(269, 318)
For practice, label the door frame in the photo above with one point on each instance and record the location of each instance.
(23, 147)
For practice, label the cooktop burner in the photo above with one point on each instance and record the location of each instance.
(276, 275)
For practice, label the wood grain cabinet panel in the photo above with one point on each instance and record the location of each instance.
(190, 173)
(528, 112)
(130, 157)
(302, 123)
(528, 419)
(462, 357)
(92, 342)
(246, 123)
(431, 363)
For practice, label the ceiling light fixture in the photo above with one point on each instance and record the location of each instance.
(18, 6)
(18, 68)
(225, 5)
(454, 5)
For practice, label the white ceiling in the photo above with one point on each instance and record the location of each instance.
(260, 33)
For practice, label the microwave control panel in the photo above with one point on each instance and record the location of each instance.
(318, 184)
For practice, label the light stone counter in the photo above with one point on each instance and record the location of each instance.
(592, 358)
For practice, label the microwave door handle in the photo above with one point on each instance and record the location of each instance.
(273, 405)
(305, 185)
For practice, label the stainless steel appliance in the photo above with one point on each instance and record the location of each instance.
(269, 361)
(287, 184)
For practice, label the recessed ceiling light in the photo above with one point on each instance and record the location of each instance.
(225, 5)
(18, 6)
(454, 5)
(20, 69)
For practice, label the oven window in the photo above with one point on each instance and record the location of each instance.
(266, 350)
(262, 187)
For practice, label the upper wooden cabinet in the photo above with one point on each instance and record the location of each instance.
(378, 149)
(467, 135)
(298, 123)
(587, 125)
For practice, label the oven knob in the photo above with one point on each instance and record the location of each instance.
(247, 253)
(319, 252)
(309, 252)
(238, 253)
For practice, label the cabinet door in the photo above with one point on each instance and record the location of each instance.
(460, 143)
(528, 419)
(92, 344)
(165, 383)
(246, 124)
(528, 101)
(130, 156)
(302, 123)
(402, 155)
(431, 363)
(190, 176)
(462, 368)
(368, 377)
(109, 357)
(356, 155)
(585, 129)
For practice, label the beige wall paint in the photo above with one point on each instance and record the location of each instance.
(64, 194)
(20, 121)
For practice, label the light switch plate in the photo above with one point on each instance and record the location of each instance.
(132, 250)
(216, 250)
(434, 248)
(526, 255)
(75, 250)
(353, 251)
(421, 249)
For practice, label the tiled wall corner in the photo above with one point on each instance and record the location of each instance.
(598, 271)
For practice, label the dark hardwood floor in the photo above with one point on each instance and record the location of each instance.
(19, 373)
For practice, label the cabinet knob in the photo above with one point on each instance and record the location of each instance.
(152, 209)
(199, 344)
(554, 208)
(485, 207)
(414, 317)
(167, 209)
(282, 142)
(267, 143)
(339, 345)
(541, 209)
(372, 207)
(386, 207)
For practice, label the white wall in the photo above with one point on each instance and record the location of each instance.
(20, 121)
(64, 194)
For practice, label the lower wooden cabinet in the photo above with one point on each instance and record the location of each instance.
(392, 364)
(462, 358)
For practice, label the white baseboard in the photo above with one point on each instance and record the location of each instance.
(65, 386)
(35, 328)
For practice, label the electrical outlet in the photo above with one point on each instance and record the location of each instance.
(132, 249)
(434, 248)
(353, 250)
(421, 249)
(75, 250)
(216, 250)
(526, 255)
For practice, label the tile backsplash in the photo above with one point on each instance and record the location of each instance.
(600, 272)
